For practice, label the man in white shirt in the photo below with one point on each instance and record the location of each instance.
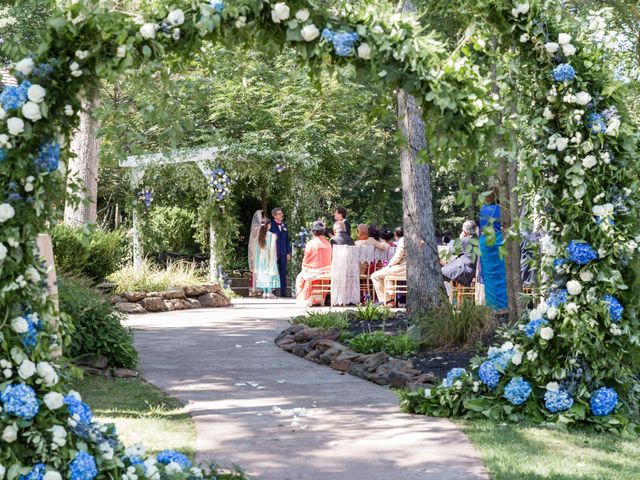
(397, 267)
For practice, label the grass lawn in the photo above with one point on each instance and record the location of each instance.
(527, 453)
(141, 412)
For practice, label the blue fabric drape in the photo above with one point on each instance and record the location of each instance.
(493, 273)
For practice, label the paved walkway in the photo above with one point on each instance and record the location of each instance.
(282, 418)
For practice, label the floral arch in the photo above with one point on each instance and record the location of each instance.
(571, 360)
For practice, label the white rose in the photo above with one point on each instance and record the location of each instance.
(309, 32)
(176, 17)
(542, 307)
(564, 38)
(25, 66)
(36, 93)
(579, 192)
(47, 373)
(28, 187)
(582, 98)
(553, 386)
(598, 210)
(31, 111)
(569, 50)
(3, 113)
(82, 54)
(20, 325)
(586, 276)
(52, 475)
(281, 11)
(15, 125)
(574, 287)
(27, 369)
(122, 51)
(532, 355)
(148, 30)
(546, 333)
(534, 315)
(613, 127)
(172, 468)
(524, 38)
(506, 346)
(106, 450)
(32, 274)
(303, 15)
(548, 114)
(517, 358)
(364, 51)
(10, 434)
(53, 400)
(552, 47)
(572, 308)
(241, 22)
(2, 471)
(561, 143)
(552, 313)
(589, 161)
(3, 252)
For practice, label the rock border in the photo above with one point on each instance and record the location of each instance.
(207, 295)
(321, 346)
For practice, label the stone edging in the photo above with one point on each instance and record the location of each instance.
(321, 346)
(206, 295)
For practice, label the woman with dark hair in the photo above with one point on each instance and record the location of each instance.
(267, 277)
(316, 262)
(494, 274)
(341, 228)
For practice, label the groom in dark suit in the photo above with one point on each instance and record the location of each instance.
(283, 247)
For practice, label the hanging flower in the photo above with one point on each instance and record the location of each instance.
(219, 184)
(48, 157)
(603, 402)
(343, 42)
(146, 196)
(280, 168)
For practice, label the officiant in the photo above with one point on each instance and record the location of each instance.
(283, 247)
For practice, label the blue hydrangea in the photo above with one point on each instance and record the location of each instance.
(36, 473)
(534, 326)
(30, 338)
(557, 297)
(48, 157)
(517, 391)
(557, 400)
(13, 98)
(603, 401)
(20, 400)
(343, 42)
(581, 253)
(78, 407)
(83, 467)
(3, 154)
(501, 358)
(615, 307)
(596, 123)
(558, 262)
(218, 5)
(453, 374)
(42, 71)
(489, 374)
(564, 73)
(168, 456)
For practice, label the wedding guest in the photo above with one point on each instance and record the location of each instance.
(374, 231)
(316, 262)
(397, 267)
(364, 238)
(266, 274)
(341, 228)
(462, 269)
(387, 237)
(493, 269)
(279, 228)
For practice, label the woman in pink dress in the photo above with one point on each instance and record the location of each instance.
(316, 262)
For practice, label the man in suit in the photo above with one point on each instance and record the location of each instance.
(279, 228)
(397, 267)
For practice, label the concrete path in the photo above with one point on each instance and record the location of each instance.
(282, 418)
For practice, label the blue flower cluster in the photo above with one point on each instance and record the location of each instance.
(534, 327)
(13, 98)
(219, 184)
(217, 5)
(452, 375)
(303, 235)
(615, 307)
(557, 297)
(280, 168)
(564, 73)
(36, 473)
(558, 262)
(489, 374)
(3, 154)
(517, 391)
(603, 401)
(501, 358)
(48, 157)
(168, 456)
(343, 42)
(42, 71)
(557, 400)
(581, 253)
(83, 467)
(146, 195)
(78, 407)
(30, 337)
(20, 400)
(596, 123)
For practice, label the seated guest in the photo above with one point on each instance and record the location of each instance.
(386, 236)
(365, 239)
(462, 269)
(316, 262)
(397, 267)
(341, 228)
(374, 231)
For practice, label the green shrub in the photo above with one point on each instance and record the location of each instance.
(323, 320)
(371, 312)
(170, 229)
(449, 326)
(92, 253)
(151, 278)
(96, 325)
(372, 342)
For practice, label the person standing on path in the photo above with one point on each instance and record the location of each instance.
(279, 228)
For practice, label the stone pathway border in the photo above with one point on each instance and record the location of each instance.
(281, 417)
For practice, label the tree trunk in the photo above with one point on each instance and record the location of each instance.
(424, 277)
(83, 169)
